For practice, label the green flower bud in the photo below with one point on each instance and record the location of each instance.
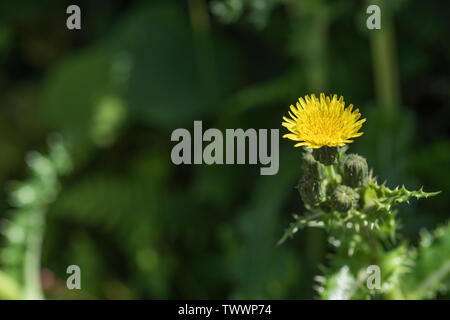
(326, 155)
(311, 190)
(354, 171)
(344, 198)
(312, 166)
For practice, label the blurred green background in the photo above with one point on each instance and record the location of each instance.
(140, 227)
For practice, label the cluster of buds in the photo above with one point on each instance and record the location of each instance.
(332, 179)
(340, 194)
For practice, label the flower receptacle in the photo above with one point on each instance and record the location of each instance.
(326, 155)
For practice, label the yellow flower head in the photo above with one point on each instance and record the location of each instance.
(322, 122)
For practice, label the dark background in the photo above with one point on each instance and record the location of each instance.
(141, 227)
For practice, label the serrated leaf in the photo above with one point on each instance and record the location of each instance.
(300, 223)
(387, 197)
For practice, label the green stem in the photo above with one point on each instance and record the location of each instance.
(430, 281)
(32, 261)
(201, 27)
(387, 83)
(370, 240)
(332, 175)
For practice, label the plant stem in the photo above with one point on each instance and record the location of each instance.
(332, 175)
(32, 261)
(387, 81)
(429, 281)
(370, 240)
(201, 27)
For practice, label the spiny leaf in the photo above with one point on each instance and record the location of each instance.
(299, 224)
(388, 197)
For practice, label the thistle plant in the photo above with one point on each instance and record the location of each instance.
(341, 195)
(20, 257)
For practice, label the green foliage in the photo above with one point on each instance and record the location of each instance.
(139, 226)
(431, 273)
(361, 225)
(259, 11)
(258, 226)
(20, 258)
(340, 285)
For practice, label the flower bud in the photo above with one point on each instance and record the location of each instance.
(354, 171)
(344, 198)
(311, 190)
(312, 166)
(326, 155)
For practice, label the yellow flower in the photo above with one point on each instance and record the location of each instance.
(326, 122)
